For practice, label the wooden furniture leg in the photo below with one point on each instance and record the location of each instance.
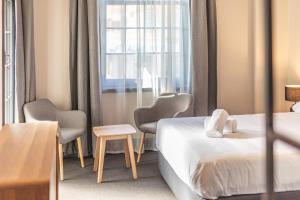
(61, 162)
(101, 159)
(80, 152)
(132, 159)
(141, 147)
(96, 159)
(126, 152)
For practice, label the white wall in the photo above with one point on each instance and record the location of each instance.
(280, 55)
(52, 44)
(235, 68)
(294, 42)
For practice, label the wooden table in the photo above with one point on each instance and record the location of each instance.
(114, 132)
(28, 161)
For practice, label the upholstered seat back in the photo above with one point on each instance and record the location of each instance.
(40, 110)
(168, 104)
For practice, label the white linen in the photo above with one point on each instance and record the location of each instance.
(230, 126)
(216, 123)
(231, 165)
(296, 107)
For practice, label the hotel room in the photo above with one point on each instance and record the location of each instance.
(149, 99)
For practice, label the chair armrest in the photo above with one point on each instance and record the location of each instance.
(144, 115)
(188, 112)
(71, 119)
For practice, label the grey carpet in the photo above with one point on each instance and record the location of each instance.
(80, 183)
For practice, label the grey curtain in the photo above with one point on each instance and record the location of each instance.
(84, 69)
(204, 58)
(25, 82)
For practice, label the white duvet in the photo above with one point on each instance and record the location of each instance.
(233, 165)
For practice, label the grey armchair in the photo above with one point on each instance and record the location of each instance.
(168, 105)
(72, 124)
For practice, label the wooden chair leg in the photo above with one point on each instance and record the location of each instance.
(80, 152)
(101, 159)
(61, 161)
(132, 159)
(126, 152)
(141, 147)
(96, 159)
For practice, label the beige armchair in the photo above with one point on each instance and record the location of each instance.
(72, 124)
(168, 105)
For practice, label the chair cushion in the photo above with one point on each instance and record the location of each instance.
(149, 127)
(69, 134)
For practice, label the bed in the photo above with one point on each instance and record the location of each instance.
(198, 167)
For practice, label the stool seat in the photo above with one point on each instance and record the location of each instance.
(114, 132)
(111, 130)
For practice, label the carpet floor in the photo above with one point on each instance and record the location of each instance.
(80, 183)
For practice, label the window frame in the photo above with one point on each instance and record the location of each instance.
(113, 85)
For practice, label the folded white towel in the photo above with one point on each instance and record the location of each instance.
(217, 123)
(230, 126)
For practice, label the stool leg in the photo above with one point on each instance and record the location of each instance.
(101, 159)
(126, 151)
(141, 147)
(132, 159)
(96, 159)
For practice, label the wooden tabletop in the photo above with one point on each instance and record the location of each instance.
(111, 130)
(27, 155)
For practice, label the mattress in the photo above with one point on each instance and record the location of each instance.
(233, 165)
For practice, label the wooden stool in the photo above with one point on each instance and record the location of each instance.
(114, 132)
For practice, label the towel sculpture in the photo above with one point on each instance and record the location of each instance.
(219, 123)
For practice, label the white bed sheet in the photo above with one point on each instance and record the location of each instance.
(232, 165)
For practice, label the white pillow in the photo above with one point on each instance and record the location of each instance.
(296, 107)
(217, 123)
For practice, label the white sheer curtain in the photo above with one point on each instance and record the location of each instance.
(145, 51)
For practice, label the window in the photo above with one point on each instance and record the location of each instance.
(9, 61)
(139, 38)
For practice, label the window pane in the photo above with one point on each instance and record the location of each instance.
(131, 41)
(114, 15)
(131, 66)
(132, 11)
(115, 67)
(131, 16)
(178, 13)
(153, 40)
(151, 69)
(153, 15)
(178, 40)
(114, 41)
(172, 40)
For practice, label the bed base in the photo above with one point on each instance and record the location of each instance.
(183, 191)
